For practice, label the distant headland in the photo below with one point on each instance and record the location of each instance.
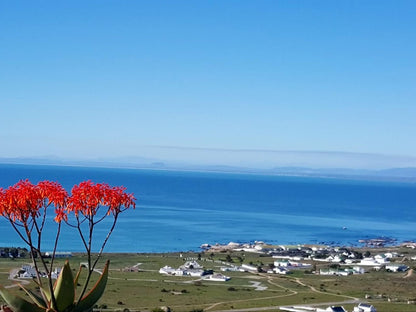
(400, 174)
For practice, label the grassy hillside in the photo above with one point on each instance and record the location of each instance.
(146, 289)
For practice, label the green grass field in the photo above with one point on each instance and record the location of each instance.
(147, 290)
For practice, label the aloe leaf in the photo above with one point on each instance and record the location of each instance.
(45, 291)
(77, 276)
(88, 301)
(64, 289)
(38, 300)
(18, 303)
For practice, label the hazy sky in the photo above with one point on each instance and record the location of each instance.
(84, 79)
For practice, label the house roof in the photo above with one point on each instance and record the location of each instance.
(365, 305)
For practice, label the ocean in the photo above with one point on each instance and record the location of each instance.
(179, 211)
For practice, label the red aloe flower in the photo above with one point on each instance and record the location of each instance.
(116, 199)
(88, 197)
(22, 201)
(54, 193)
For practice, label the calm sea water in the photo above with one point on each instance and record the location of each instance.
(179, 211)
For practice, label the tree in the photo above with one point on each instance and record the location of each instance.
(14, 252)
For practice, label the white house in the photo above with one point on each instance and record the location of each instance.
(382, 259)
(358, 270)
(249, 268)
(217, 277)
(282, 263)
(338, 272)
(396, 267)
(334, 259)
(28, 271)
(369, 262)
(363, 307)
(180, 272)
(280, 270)
(167, 270)
(392, 254)
(195, 272)
(289, 263)
(230, 269)
(191, 265)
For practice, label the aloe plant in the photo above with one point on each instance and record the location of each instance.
(25, 206)
(63, 298)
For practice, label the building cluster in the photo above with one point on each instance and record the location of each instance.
(286, 260)
(29, 271)
(343, 261)
(360, 266)
(348, 261)
(193, 269)
(316, 253)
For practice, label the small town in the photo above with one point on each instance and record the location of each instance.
(223, 263)
(334, 261)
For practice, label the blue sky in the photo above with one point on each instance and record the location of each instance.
(87, 79)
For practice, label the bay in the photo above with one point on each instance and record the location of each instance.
(179, 210)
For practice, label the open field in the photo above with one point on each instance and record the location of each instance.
(146, 289)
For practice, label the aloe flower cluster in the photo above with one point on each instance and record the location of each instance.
(25, 206)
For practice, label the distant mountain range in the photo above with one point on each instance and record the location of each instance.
(392, 174)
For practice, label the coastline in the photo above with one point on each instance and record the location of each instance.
(337, 174)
